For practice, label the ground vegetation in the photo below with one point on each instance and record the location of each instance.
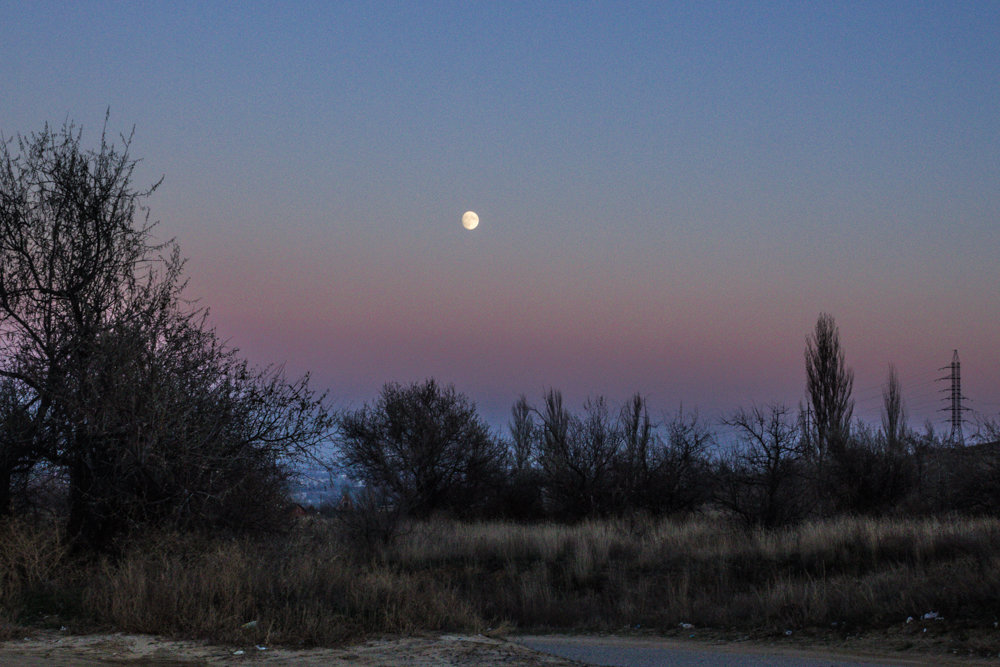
(915, 582)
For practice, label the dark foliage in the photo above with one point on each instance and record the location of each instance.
(594, 464)
(577, 456)
(427, 447)
(829, 383)
(109, 376)
(681, 481)
(761, 480)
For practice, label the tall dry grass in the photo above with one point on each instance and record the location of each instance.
(34, 573)
(611, 575)
(313, 585)
(302, 589)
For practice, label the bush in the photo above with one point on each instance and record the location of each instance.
(425, 445)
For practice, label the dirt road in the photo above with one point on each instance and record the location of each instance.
(642, 652)
(62, 650)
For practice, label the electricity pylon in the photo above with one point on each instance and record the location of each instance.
(954, 399)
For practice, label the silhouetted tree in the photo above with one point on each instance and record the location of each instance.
(634, 464)
(185, 432)
(893, 467)
(562, 473)
(987, 429)
(875, 476)
(577, 458)
(524, 435)
(893, 413)
(16, 455)
(926, 480)
(681, 481)
(598, 443)
(759, 479)
(425, 445)
(871, 472)
(522, 495)
(828, 384)
(118, 383)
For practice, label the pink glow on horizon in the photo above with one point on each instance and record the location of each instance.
(514, 332)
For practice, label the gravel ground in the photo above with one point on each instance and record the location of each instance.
(61, 649)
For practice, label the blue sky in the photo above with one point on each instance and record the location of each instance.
(670, 193)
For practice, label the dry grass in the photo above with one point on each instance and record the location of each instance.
(311, 587)
(855, 573)
(299, 591)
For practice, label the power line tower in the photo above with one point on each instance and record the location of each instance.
(954, 399)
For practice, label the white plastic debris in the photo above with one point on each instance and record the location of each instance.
(260, 648)
(238, 651)
(250, 624)
(909, 619)
(788, 633)
(686, 626)
(930, 615)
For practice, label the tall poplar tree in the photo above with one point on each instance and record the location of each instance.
(829, 383)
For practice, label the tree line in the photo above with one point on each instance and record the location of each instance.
(425, 450)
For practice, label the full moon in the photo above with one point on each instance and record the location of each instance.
(470, 220)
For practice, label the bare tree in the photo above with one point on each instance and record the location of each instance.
(681, 480)
(16, 455)
(562, 473)
(522, 493)
(828, 383)
(123, 386)
(760, 479)
(874, 475)
(524, 435)
(879, 466)
(638, 440)
(426, 445)
(987, 429)
(180, 430)
(577, 457)
(893, 413)
(598, 443)
(71, 260)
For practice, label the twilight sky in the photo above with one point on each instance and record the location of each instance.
(669, 193)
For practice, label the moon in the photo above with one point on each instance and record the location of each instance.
(470, 220)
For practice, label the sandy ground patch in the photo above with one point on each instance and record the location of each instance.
(55, 648)
(47, 647)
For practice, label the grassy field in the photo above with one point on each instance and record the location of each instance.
(316, 585)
